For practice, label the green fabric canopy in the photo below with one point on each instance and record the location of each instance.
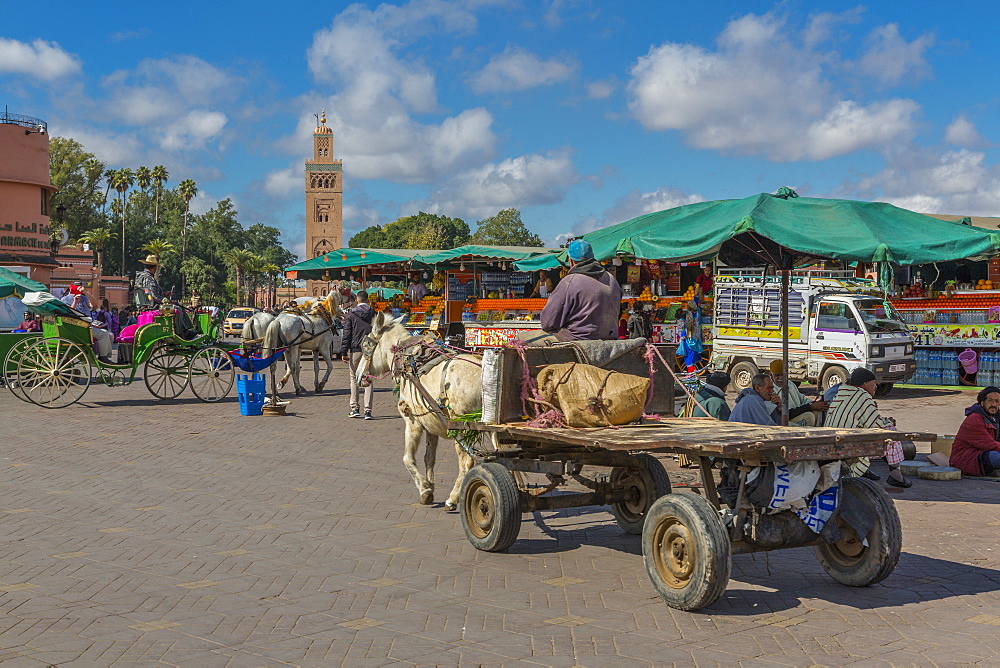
(766, 226)
(15, 285)
(483, 253)
(342, 258)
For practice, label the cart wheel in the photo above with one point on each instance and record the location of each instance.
(852, 563)
(490, 507)
(647, 482)
(742, 375)
(686, 551)
(909, 450)
(53, 373)
(165, 373)
(211, 374)
(15, 353)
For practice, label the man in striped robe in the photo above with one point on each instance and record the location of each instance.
(854, 407)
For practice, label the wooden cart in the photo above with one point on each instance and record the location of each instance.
(687, 539)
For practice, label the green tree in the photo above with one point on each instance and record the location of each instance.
(160, 175)
(77, 174)
(239, 259)
(98, 239)
(409, 231)
(370, 237)
(158, 247)
(505, 229)
(121, 180)
(188, 189)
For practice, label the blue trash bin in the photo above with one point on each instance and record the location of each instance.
(251, 393)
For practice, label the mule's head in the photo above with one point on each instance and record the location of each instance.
(386, 333)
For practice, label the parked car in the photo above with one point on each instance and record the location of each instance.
(236, 318)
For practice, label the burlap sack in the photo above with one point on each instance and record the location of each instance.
(589, 396)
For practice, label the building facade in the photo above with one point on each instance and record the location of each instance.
(324, 201)
(25, 188)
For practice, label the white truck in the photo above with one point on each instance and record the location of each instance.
(837, 323)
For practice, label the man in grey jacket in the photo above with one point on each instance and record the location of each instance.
(584, 306)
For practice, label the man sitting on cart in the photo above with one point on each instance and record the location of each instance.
(78, 300)
(801, 411)
(147, 288)
(758, 404)
(584, 306)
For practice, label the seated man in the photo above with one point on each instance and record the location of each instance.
(758, 404)
(976, 450)
(801, 411)
(78, 299)
(29, 324)
(854, 408)
(712, 396)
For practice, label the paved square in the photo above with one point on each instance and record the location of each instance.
(180, 533)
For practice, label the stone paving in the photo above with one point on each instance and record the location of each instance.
(141, 532)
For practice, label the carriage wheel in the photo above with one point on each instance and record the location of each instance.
(15, 353)
(165, 373)
(647, 482)
(490, 507)
(686, 551)
(211, 373)
(53, 373)
(850, 561)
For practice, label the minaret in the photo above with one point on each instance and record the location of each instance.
(324, 200)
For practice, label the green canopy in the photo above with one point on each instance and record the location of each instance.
(470, 253)
(15, 285)
(343, 258)
(784, 228)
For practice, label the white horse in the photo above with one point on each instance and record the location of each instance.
(456, 385)
(315, 330)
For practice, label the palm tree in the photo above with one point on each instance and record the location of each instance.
(157, 247)
(188, 189)
(143, 178)
(122, 180)
(253, 270)
(273, 271)
(160, 176)
(98, 239)
(238, 259)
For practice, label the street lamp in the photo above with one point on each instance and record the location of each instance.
(55, 242)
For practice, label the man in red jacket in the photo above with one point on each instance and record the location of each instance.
(976, 450)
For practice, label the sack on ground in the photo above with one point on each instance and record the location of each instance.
(589, 396)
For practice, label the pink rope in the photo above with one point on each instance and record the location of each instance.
(650, 359)
(529, 388)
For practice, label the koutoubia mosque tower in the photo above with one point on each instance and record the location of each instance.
(324, 200)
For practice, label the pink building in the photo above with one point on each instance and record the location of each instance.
(25, 188)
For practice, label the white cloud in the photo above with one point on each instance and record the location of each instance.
(635, 203)
(41, 59)
(193, 130)
(519, 69)
(519, 182)
(110, 148)
(600, 90)
(378, 92)
(763, 90)
(890, 58)
(283, 182)
(962, 132)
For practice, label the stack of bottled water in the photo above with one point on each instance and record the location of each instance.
(987, 373)
(938, 367)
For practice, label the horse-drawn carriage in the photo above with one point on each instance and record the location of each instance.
(687, 538)
(55, 369)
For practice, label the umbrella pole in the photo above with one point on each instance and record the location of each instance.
(784, 346)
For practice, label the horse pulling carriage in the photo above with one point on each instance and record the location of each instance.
(687, 538)
(55, 369)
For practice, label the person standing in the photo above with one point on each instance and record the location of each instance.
(357, 325)
(584, 306)
(705, 282)
(146, 284)
(854, 407)
(544, 286)
(416, 291)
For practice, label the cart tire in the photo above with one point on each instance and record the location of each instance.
(211, 374)
(490, 507)
(849, 562)
(883, 389)
(648, 482)
(909, 450)
(686, 551)
(54, 373)
(742, 374)
(832, 376)
(10, 366)
(165, 372)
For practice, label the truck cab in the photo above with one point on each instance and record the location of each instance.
(837, 323)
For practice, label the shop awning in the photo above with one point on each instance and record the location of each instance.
(784, 228)
(13, 284)
(489, 253)
(343, 258)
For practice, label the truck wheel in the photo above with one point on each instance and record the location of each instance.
(832, 376)
(647, 482)
(850, 561)
(686, 551)
(490, 507)
(742, 374)
(883, 389)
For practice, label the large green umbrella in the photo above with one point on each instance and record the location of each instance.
(15, 285)
(783, 229)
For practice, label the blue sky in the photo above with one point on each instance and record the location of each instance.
(579, 113)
